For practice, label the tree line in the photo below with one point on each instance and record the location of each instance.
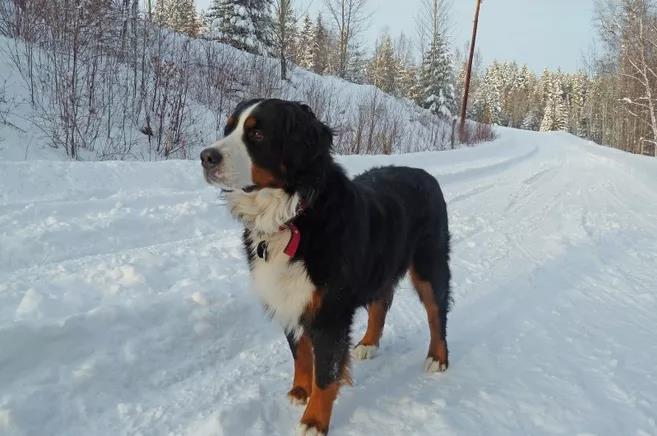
(612, 101)
(331, 43)
(96, 67)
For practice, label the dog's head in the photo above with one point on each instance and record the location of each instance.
(269, 144)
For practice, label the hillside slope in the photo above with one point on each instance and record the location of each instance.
(125, 308)
(217, 77)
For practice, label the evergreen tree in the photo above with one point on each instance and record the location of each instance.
(259, 12)
(355, 72)
(179, 15)
(305, 43)
(531, 121)
(548, 119)
(244, 24)
(320, 48)
(186, 19)
(578, 97)
(283, 33)
(407, 82)
(556, 111)
(212, 17)
(383, 69)
(487, 105)
(436, 79)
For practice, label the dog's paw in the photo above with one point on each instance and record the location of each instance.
(364, 352)
(432, 365)
(298, 396)
(309, 430)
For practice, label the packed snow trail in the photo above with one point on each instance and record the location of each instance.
(125, 305)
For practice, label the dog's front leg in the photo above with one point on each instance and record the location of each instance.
(302, 352)
(331, 358)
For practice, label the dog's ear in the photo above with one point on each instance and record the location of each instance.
(306, 146)
(245, 104)
(326, 136)
(304, 107)
(323, 132)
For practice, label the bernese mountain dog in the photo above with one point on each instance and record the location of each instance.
(321, 245)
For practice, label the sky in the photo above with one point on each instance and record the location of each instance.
(541, 33)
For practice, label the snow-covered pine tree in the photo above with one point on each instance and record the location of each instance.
(244, 24)
(578, 96)
(179, 15)
(487, 106)
(355, 65)
(320, 47)
(408, 84)
(527, 108)
(212, 18)
(187, 20)
(547, 124)
(305, 43)
(260, 12)
(229, 22)
(436, 79)
(531, 121)
(161, 12)
(406, 72)
(383, 69)
(556, 108)
(283, 33)
(561, 104)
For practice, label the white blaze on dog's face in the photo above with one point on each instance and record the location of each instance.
(235, 167)
(269, 144)
(245, 164)
(272, 151)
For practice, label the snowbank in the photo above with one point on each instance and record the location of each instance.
(125, 305)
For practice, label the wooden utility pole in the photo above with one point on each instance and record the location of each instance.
(468, 73)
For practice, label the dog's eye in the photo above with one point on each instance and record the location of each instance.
(256, 135)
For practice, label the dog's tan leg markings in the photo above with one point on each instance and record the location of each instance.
(317, 416)
(437, 355)
(369, 345)
(303, 372)
(304, 360)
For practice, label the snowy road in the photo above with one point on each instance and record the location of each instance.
(125, 309)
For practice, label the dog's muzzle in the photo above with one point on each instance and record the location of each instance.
(211, 158)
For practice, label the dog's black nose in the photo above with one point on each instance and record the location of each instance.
(210, 157)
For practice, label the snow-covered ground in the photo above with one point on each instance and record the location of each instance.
(125, 306)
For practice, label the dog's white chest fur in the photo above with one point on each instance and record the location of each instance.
(283, 286)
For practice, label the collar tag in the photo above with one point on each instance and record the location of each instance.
(261, 250)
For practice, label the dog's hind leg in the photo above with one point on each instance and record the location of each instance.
(376, 318)
(430, 276)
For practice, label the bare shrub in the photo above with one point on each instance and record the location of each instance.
(4, 104)
(217, 73)
(476, 133)
(261, 78)
(322, 98)
(372, 127)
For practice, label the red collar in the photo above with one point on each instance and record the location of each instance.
(295, 235)
(295, 239)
